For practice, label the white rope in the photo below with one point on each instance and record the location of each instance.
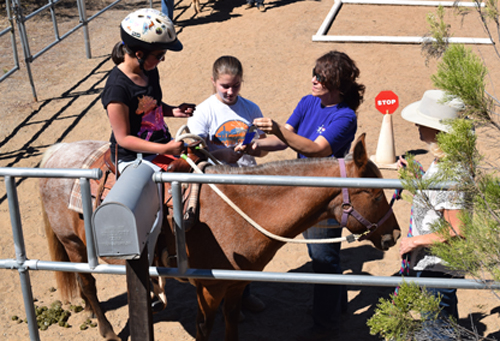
(180, 137)
(257, 226)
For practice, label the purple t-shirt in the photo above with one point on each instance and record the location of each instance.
(337, 124)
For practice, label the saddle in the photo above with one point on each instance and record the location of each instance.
(100, 188)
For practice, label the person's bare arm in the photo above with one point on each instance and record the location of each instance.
(118, 117)
(409, 244)
(287, 135)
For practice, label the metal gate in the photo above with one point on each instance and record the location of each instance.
(24, 265)
(17, 18)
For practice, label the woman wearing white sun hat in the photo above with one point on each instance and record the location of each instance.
(433, 115)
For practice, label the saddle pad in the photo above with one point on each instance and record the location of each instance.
(75, 199)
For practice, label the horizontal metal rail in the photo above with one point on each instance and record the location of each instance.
(257, 276)
(51, 173)
(279, 180)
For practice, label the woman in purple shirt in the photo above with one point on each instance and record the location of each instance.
(323, 124)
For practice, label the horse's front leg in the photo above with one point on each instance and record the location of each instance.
(231, 310)
(89, 294)
(158, 284)
(208, 302)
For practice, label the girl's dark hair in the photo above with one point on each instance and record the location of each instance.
(120, 50)
(227, 65)
(340, 72)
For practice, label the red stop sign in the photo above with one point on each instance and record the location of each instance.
(386, 102)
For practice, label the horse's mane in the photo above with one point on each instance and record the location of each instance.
(289, 167)
(282, 167)
(49, 152)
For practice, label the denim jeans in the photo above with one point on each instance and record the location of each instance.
(449, 300)
(329, 300)
(167, 7)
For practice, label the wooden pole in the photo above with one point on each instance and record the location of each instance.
(139, 299)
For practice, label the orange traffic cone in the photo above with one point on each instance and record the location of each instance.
(385, 156)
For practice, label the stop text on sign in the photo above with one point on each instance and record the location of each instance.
(386, 102)
(381, 102)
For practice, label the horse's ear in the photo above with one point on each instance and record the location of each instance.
(359, 152)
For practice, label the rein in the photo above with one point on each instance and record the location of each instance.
(351, 238)
(348, 210)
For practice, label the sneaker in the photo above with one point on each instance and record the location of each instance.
(253, 303)
(261, 7)
(248, 5)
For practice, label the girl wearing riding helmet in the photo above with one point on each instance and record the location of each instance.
(132, 96)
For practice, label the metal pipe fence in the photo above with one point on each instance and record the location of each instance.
(10, 30)
(23, 265)
(15, 13)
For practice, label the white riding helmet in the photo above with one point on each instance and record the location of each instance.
(149, 29)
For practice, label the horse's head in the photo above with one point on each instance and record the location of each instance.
(368, 212)
(181, 166)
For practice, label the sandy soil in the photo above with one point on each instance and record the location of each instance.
(277, 53)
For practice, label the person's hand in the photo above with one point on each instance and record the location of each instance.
(173, 148)
(402, 163)
(251, 149)
(266, 124)
(240, 148)
(184, 110)
(407, 244)
(227, 155)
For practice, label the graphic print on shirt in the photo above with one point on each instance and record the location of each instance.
(152, 121)
(230, 133)
(320, 129)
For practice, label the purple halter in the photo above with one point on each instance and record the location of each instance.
(349, 210)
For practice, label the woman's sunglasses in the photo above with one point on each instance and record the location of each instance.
(318, 77)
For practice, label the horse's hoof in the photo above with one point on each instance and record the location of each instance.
(157, 306)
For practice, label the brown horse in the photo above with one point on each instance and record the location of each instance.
(222, 239)
(65, 230)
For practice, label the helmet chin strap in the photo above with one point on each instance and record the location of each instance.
(142, 59)
(141, 63)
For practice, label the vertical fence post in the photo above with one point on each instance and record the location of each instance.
(139, 300)
(8, 6)
(180, 236)
(54, 19)
(82, 12)
(18, 13)
(17, 233)
(87, 220)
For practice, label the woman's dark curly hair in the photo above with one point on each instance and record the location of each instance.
(338, 71)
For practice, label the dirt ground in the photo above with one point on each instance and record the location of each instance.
(278, 54)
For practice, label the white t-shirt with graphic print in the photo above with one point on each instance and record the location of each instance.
(224, 126)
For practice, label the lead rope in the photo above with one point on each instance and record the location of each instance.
(257, 226)
(405, 262)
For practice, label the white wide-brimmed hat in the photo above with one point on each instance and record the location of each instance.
(431, 112)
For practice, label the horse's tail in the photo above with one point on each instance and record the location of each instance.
(66, 281)
(49, 152)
